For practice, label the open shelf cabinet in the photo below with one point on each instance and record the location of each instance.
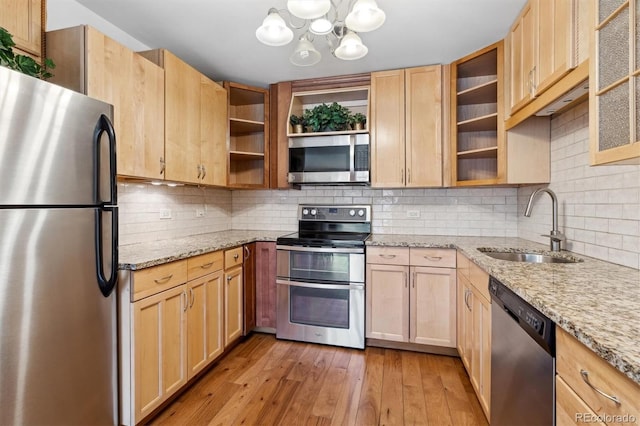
(477, 122)
(356, 99)
(248, 147)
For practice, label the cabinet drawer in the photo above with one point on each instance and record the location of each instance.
(437, 258)
(388, 255)
(569, 407)
(573, 358)
(158, 278)
(204, 264)
(233, 257)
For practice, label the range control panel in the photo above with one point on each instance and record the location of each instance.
(312, 212)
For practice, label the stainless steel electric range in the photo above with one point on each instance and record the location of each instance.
(320, 276)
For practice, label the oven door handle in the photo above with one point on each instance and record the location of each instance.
(353, 250)
(351, 286)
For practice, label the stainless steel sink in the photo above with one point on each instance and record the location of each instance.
(528, 257)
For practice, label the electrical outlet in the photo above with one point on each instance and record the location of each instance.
(413, 213)
(199, 213)
(165, 214)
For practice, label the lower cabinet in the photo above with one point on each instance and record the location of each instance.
(474, 328)
(411, 295)
(266, 285)
(175, 320)
(233, 295)
(249, 288)
(589, 389)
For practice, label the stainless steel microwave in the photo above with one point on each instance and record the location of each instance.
(329, 160)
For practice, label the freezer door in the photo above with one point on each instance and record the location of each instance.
(47, 150)
(58, 336)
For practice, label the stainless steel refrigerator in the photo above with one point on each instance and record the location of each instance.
(58, 256)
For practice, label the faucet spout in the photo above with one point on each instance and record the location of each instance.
(556, 236)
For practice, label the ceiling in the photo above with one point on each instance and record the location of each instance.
(218, 36)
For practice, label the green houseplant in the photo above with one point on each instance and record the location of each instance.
(297, 122)
(23, 63)
(327, 118)
(358, 120)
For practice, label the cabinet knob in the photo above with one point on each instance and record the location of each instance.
(229, 277)
(236, 256)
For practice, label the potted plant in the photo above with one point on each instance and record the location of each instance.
(358, 121)
(339, 117)
(297, 122)
(23, 63)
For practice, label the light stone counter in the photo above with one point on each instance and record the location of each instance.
(145, 255)
(595, 301)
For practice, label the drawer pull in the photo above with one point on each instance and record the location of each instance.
(433, 258)
(236, 256)
(585, 377)
(207, 265)
(164, 280)
(388, 256)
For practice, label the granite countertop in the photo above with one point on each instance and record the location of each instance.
(597, 302)
(146, 255)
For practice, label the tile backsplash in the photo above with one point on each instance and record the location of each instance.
(599, 206)
(453, 211)
(141, 207)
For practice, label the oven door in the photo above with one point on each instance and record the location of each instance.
(331, 314)
(320, 264)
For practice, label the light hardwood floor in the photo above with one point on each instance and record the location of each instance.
(265, 381)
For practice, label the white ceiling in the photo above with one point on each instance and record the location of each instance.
(218, 36)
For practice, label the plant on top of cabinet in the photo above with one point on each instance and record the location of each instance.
(329, 111)
(614, 92)
(23, 63)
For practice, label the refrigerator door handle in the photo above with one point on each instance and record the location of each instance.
(104, 126)
(106, 284)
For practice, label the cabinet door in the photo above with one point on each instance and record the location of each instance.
(522, 55)
(555, 41)
(433, 306)
(266, 284)
(182, 120)
(160, 348)
(249, 288)
(233, 305)
(481, 349)
(213, 133)
(23, 19)
(465, 323)
(423, 126)
(569, 406)
(387, 295)
(204, 321)
(387, 129)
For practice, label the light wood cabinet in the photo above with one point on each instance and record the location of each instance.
(233, 295)
(195, 118)
(248, 155)
(160, 348)
(614, 91)
(570, 409)
(474, 328)
(521, 42)
(406, 127)
(91, 63)
(265, 259)
(407, 303)
(595, 382)
(25, 20)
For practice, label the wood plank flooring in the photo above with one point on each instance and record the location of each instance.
(265, 381)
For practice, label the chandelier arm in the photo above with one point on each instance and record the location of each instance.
(290, 15)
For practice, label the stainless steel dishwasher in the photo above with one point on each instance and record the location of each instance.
(522, 361)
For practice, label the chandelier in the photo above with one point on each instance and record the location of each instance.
(321, 19)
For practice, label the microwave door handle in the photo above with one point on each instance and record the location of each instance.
(352, 158)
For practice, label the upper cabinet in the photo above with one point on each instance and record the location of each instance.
(248, 153)
(477, 124)
(548, 39)
(406, 127)
(25, 21)
(614, 93)
(93, 64)
(195, 122)
(482, 152)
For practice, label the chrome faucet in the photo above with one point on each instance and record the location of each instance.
(555, 235)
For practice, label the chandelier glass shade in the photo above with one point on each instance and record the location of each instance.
(320, 19)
